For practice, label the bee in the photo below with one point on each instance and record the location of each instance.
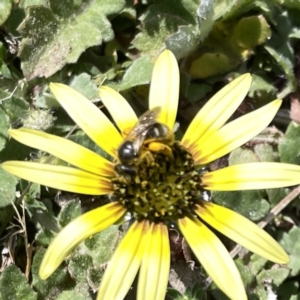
(129, 149)
(147, 130)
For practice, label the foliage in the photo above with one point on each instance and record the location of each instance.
(87, 42)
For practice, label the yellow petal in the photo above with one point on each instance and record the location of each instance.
(77, 231)
(64, 149)
(154, 272)
(242, 231)
(88, 117)
(124, 263)
(214, 114)
(234, 134)
(118, 107)
(59, 177)
(214, 257)
(164, 88)
(252, 176)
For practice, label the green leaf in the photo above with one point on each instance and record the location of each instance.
(94, 276)
(230, 9)
(79, 292)
(275, 275)
(260, 292)
(195, 293)
(4, 126)
(14, 286)
(94, 254)
(45, 100)
(44, 237)
(28, 3)
(262, 150)
(7, 188)
(198, 291)
(41, 214)
(247, 203)
(256, 263)
(295, 297)
(251, 32)
(218, 294)
(12, 95)
(276, 195)
(265, 152)
(138, 73)
(291, 3)
(197, 92)
(291, 243)
(13, 149)
(69, 211)
(260, 84)
(102, 245)
(187, 36)
(78, 266)
(2, 53)
(16, 108)
(4, 71)
(60, 33)
(242, 155)
(222, 7)
(185, 10)
(85, 86)
(289, 148)
(160, 21)
(245, 272)
(205, 12)
(174, 294)
(55, 284)
(287, 64)
(63, 123)
(5, 8)
(295, 34)
(209, 64)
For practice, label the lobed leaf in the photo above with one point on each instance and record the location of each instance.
(5, 8)
(289, 148)
(161, 21)
(57, 34)
(138, 73)
(291, 243)
(19, 288)
(7, 188)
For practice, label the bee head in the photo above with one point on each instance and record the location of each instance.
(127, 153)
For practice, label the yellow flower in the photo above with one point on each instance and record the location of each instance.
(166, 192)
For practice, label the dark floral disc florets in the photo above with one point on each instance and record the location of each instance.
(163, 190)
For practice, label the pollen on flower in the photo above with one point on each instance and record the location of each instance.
(163, 188)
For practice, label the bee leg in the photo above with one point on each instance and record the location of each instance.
(161, 148)
(147, 157)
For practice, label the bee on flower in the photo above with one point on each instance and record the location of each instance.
(159, 181)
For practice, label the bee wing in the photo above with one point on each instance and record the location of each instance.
(145, 121)
(138, 142)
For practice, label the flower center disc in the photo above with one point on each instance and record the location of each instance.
(163, 190)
